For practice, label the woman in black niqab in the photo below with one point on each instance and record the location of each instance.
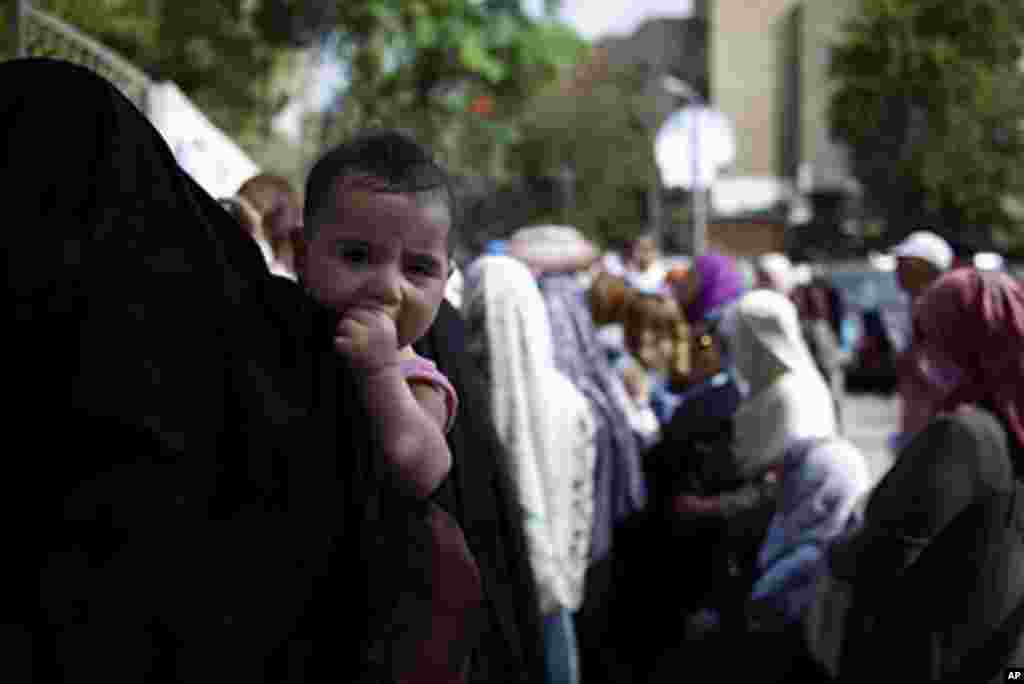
(193, 496)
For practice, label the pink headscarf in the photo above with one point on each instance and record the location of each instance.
(976, 321)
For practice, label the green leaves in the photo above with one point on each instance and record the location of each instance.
(430, 65)
(597, 129)
(457, 72)
(928, 93)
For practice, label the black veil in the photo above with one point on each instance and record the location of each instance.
(190, 494)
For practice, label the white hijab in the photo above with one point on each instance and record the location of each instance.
(787, 399)
(544, 422)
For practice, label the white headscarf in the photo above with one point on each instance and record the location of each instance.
(789, 419)
(788, 400)
(544, 422)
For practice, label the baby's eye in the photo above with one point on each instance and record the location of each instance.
(353, 253)
(424, 267)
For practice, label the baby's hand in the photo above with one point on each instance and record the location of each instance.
(368, 338)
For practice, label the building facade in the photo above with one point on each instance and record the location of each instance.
(768, 67)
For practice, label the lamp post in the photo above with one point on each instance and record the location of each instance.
(567, 181)
(18, 18)
(684, 91)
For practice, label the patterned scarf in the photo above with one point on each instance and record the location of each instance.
(619, 485)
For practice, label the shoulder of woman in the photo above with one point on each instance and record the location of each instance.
(969, 420)
(954, 432)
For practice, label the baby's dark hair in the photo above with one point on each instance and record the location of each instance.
(392, 159)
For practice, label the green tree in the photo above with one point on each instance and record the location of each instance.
(457, 72)
(236, 69)
(595, 126)
(930, 99)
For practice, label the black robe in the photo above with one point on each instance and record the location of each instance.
(938, 564)
(480, 495)
(189, 492)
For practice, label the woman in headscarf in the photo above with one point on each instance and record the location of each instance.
(713, 281)
(693, 502)
(619, 487)
(783, 387)
(548, 430)
(204, 498)
(790, 486)
(938, 568)
(786, 428)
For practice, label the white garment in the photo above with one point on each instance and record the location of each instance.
(788, 399)
(650, 280)
(454, 287)
(795, 407)
(612, 264)
(822, 484)
(545, 424)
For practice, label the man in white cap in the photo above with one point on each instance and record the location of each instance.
(776, 272)
(920, 259)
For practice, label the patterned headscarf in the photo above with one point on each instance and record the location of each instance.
(619, 487)
(975, 320)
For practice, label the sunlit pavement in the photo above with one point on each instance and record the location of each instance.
(868, 420)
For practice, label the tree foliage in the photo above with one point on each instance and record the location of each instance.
(236, 71)
(930, 99)
(457, 72)
(595, 126)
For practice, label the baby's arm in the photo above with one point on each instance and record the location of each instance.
(431, 399)
(409, 418)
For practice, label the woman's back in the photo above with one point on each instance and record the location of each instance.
(194, 439)
(935, 574)
(939, 562)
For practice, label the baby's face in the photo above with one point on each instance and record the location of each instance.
(380, 251)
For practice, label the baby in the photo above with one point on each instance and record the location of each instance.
(378, 212)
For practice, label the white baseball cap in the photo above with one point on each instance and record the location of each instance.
(779, 270)
(926, 245)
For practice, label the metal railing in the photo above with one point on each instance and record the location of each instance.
(38, 34)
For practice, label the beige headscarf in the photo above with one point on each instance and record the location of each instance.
(544, 422)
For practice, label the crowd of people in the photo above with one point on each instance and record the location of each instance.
(284, 437)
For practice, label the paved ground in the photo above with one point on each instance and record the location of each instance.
(868, 420)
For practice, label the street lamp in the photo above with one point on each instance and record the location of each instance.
(684, 91)
(19, 17)
(567, 187)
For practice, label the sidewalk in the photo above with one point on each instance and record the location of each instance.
(868, 420)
